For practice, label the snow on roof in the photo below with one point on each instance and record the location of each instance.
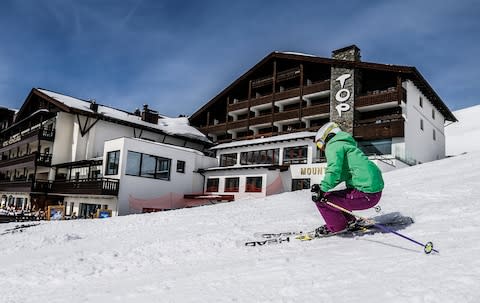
(172, 126)
(292, 136)
(296, 53)
(10, 109)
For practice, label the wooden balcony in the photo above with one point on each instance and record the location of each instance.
(261, 100)
(393, 95)
(385, 130)
(316, 110)
(213, 129)
(287, 94)
(261, 120)
(316, 87)
(26, 137)
(102, 186)
(239, 105)
(238, 124)
(28, 161)
(286, 115)
(16, 185)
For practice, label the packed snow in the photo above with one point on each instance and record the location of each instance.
(463, 136)
(196, 255)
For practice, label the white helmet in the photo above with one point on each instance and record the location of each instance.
(324, 131)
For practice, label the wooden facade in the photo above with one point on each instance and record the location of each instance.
(288, 92)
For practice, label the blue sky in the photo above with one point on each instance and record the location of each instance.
(177, 55)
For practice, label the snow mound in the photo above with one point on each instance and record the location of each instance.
(192, 255)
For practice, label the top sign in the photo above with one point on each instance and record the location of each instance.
(342, 95)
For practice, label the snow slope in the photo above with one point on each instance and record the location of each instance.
(463, 136)
(192, 255)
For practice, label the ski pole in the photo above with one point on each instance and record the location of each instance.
(427, 248)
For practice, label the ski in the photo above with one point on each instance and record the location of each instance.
(350, 232)
(393, 220)
(266, 242)
(277, 235)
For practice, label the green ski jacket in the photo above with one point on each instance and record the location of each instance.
(346, 162)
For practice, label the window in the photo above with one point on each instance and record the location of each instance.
(254, 184)
(112, 162)
(231, 184)
(147, 169)
(421, 124)
(259, 157)
(319, 156)
(420, 101)
(147, 166)
(133, 163)
(162, 170)
(295, 155)
(376, 147)
(434, 135)
(228, 159)
(180, 166)
(212, 185)
(433, 113)
(299, 184)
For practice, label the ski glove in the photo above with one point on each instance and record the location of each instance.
(317, 193)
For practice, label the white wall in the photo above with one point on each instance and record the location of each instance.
(62, 146)
(77, 200)
(267, 177)
(71, 146)
(154, 191)
(419, 144)
(273, 180)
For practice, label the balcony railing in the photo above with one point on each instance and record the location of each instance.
(316, 110)
(238, 124)
(383, 130)
(29, 160)
(29, 136)
(289, 93)
(295, 92)
(316, 87)
(43, 160)
(380, 97)
(101, 186)
(261, 119)
(286, 115)
(18, 185)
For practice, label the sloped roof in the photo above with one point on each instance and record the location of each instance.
(273, 139)
(171, 126)
(408, 71)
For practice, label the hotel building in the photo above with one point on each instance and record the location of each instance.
(265, 121)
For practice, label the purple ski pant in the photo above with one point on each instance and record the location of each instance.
(350, 199)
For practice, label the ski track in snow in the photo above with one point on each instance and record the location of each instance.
(191, 255)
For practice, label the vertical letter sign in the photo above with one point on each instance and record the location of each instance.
(342, 95)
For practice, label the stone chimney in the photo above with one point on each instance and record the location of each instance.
(93, 105)
(350, 53)
(345, 85)
(148, 115)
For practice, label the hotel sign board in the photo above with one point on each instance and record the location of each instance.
(313, 171)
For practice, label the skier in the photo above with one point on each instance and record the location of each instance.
(345, 162)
